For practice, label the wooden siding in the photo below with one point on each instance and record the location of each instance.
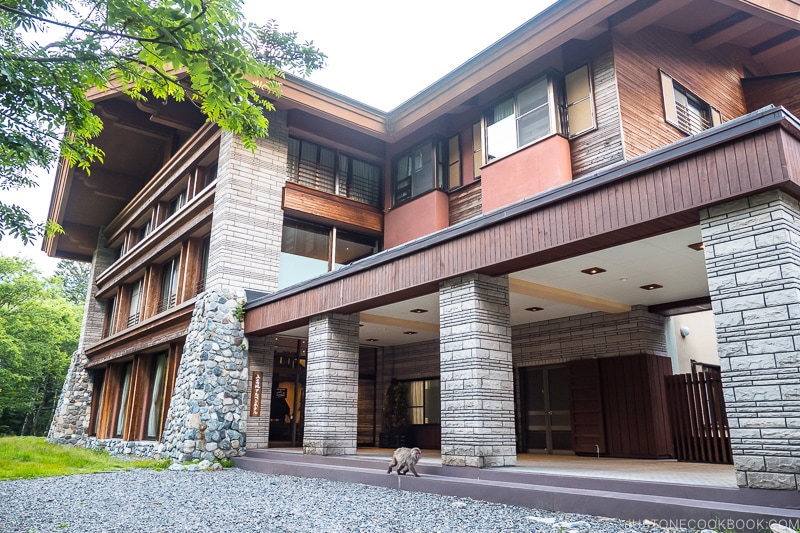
(635, 407)
(602, 146)
(330, 208)
(583, 216)
(713, 76)
(465, 202)
(778, 90)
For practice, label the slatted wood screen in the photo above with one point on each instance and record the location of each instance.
(697, 415)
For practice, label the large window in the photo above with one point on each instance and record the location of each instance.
(156, 404)
(521, 119)
(111, 316)
(685, 110)
(325, 169)
(424, 401)
(122, 400)
(309, 250)
(134, 311)
(419, 170)
(578, 101)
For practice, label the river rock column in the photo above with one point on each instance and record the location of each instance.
(331, 414)
(752, 252)
(71, 417)
(477, 394)
(206, 418)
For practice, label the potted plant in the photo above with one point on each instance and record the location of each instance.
(395, 414)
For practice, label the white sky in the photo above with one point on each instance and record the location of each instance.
(380, 53)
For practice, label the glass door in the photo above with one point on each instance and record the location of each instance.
(288, 393)
(546, 406)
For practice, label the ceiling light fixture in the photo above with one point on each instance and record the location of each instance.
(409, 333)
(371, 340)
(419, 311)
(651, 287)
(534, 309)
(699, 246)
(594, 270)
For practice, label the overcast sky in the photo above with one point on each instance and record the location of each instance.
(380, 53)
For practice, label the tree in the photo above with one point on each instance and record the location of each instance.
(39, 331)
(74, 279)
(164, 49)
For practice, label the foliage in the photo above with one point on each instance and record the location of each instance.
(31, 457)
(197, 49)
(39, 331)
(395, 407)
(74, 278)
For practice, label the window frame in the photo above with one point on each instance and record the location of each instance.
(425, 408)
(669, 88)
(170, 300)
(590, 97)
(438, 157)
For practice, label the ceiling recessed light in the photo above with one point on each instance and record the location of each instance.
(371, 340)
(623, 279)
(409, 333)
(651, 287)
(594, 270)
(419, 311)
(698, 246)
(534, 309)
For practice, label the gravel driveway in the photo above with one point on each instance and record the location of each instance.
(234, 501)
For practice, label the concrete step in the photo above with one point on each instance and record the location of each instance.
(633, 500)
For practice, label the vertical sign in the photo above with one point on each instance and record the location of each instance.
(255, 397)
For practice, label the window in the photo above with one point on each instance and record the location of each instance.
(123, 400)
(177, 202)
(111, 308)
(309, 250)
(156, 404)
(454, 162)
(323, 169)
(134, 311)
(419, 170)
(424, 401)
(203, 274)
(520, 120)
(685, 110)
(169, 285)
(98, 391)
(579, 102)
(477, 150)
(144, 231)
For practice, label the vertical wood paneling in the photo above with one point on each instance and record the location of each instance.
(465, 203)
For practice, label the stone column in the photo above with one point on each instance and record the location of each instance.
(476, 372)
(331, 415)
(752, 249)
(71, 416)
(261, 352)
(208, 408)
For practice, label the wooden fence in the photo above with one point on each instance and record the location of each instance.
(698, 420)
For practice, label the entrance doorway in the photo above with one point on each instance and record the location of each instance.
(548, 428)
(288, 393)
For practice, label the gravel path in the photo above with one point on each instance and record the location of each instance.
(235, 501)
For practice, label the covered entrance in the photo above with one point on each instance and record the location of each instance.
(288, 392)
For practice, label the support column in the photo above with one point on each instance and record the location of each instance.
(331, 415)
(71, 417)
(261, 351)
(752, 249)
(476, 372)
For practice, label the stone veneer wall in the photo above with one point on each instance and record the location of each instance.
(331, 411)
(753, 262)
(587, 336)
(261, 352)
(477, 380)
(206, 418)
(71, 416)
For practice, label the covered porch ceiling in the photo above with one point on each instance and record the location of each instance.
(561, 289)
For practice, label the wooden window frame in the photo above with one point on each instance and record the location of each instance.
(438, 155)
(669, 87)
(589, 97)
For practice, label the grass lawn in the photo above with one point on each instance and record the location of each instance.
(28, 457)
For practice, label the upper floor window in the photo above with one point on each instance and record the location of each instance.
(111, 308)
(685, 110)
(578, 101)
(324, 169)
(521, 119)
(177, 202)
(419, 170)
(134, 311)
(169, 285)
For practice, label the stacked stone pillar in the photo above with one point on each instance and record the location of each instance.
(71, 417)
(331, 410)
(477, 394)
(752, 249)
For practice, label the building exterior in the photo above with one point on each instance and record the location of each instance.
(517, 246)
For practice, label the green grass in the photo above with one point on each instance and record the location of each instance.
(30, 457)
